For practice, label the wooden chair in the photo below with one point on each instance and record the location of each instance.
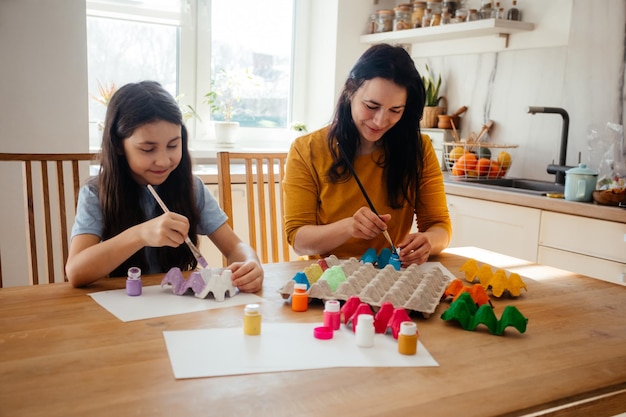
(261, 174)
(49, 205)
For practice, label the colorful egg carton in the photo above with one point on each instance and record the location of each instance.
(497, 281)
(469, 316)
(202, 283)
(410, 288)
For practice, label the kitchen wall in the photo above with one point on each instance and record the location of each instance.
(584, 75)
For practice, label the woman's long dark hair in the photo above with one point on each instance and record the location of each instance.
(133, 106)
(403, 153)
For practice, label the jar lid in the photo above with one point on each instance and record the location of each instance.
(581, 169)
(332, 306)
(384, 12)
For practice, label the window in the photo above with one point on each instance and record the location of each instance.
(183, 44)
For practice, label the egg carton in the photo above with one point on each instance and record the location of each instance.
(410, 288)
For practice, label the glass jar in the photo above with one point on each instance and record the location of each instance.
(436, 20)
(434, 6)
(384, 20)
(402, 19)
(428, 16)
(461, 15)
(485, 9)
(472, 15)
(371, 27)
(451, 6)
(418, 13)
(446, 18)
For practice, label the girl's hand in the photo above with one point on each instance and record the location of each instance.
(367, 225)
(414, 249)
(247, 276)
(169, 229)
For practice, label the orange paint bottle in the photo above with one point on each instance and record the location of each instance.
(299, 298)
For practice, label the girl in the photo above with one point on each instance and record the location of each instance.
(119, 223)
(376, 129)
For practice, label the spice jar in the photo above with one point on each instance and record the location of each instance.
(472, 15)
(446, 18)
(428, 16)
(436, 20)
(384, 20)
(402, 19)
(418, 13)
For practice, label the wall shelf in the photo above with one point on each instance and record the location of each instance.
(497, 27)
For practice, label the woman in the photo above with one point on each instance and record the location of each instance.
(376, 130)
(119, 223)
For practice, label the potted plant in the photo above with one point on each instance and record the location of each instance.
(224, 99)
(431, 104)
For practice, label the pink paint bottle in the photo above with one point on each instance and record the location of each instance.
(332, 315)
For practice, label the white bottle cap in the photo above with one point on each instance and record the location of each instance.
(252, 308)
(332, 306)
(299, 287)
(408, 328)
(134, 272)
(366, 319)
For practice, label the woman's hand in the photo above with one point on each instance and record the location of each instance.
(367, 225)
(247, 276)
(169, 229)
(415, 248)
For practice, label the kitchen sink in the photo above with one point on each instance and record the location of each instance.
(521, 185)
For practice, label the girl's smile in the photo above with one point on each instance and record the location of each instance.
(153, 151)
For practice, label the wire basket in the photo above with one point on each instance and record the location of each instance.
(478, 160)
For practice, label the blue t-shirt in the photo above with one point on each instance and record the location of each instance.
(89, 215)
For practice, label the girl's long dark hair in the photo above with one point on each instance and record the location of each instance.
(403, 153)
(132, 106)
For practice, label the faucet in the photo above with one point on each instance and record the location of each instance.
(559, 169)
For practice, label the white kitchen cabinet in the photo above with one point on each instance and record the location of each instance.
(592, 247)
(504, 228)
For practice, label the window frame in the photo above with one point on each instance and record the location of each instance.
(193, 21)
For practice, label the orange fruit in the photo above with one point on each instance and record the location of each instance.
(457, 171)
(467, 162)
(483, 166)
(496, 170)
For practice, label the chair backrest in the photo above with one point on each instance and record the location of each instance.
(261, 175)
(48, 206)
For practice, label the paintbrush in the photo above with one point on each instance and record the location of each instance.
(367, 198)
(194, 250)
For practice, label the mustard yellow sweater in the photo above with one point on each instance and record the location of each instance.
(311, 199)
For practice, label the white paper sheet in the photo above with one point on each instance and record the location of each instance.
(279, 347)
(158, 302)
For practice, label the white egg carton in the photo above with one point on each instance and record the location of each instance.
(411, 288)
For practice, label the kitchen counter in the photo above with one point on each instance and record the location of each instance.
(591, 210)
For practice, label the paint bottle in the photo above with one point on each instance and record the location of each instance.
(133, 281)
(332, 315)
(252, 320)
(407, 338)
(299, 298)
(365, 330)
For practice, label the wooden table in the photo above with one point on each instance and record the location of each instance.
(61, 354)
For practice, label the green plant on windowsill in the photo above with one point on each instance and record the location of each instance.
(225, 94)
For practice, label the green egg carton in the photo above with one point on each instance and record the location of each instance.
(464, 311)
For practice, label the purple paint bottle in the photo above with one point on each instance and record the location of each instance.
(133, 281)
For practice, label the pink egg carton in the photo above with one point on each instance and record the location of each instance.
(411, 288)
